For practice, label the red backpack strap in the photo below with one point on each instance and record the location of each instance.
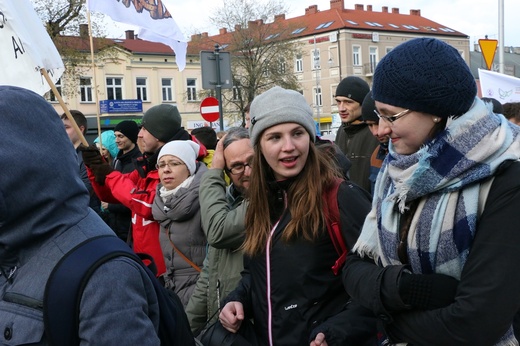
(331, 211)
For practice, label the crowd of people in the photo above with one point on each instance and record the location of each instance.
(238, 224)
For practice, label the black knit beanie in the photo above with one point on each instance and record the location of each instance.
(425, 75)
(162, 121)
(368, 107)
(354, 88)
(129, 128)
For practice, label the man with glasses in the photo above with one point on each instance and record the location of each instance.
(223, 213)
(353, 136)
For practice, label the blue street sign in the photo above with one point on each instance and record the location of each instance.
(120, 106)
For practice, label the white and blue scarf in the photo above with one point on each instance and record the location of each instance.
(444, 176)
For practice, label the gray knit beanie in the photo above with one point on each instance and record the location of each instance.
(425, 75)
(162, 121)
(354, 88)
(277, 106)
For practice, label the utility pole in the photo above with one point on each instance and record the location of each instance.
(318, 88)
(501, 36)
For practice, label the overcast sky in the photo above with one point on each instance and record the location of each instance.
(475, 18)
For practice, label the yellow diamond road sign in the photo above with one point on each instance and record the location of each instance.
(488, 49)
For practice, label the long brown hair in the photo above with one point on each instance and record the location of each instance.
(304, 200)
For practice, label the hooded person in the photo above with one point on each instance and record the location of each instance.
(43, 215)
(109, 149)
(136, 190)
(176, 207)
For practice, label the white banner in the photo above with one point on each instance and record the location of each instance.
(26, 48)
(152, 17)
(499, 86)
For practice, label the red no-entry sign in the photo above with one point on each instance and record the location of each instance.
(209, 109)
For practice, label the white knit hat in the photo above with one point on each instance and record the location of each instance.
(186, 151)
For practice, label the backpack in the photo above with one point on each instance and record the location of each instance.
(331, 212)
(69, 277)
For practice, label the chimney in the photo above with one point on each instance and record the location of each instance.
(369, 8)
(238, 27)
(415, 13)
(204, 35)
(385, 9)
(311, 9)
(129, 35)
(195, 37)
(222, 31)
(395, 10)
(359, 7)
(279, 17)
(83, 30)
(337, 5)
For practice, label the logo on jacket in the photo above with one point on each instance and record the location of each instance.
(290, 307)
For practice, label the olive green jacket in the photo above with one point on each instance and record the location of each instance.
(223, 215)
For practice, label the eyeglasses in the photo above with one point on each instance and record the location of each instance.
(170, 164)
(239, 168)
(392, 118)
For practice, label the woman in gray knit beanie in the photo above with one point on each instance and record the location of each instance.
(438, 255)
(290, 289)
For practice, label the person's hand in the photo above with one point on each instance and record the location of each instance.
(91, 155)
(231, 316)
(104, 205)
(218, 161)
(319, 340)
(427, 291)
(100, 172)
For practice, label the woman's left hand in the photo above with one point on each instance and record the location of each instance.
(319, 340)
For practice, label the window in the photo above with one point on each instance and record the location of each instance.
(166, 87)
(316, 61)
(236, 93)
(114, 88)
(299, 63)
(85, 88)
(356, 55)
(317, 96)
(282, 67)
(141, 89)
(52, 96)
(191, 89)
(372, 58)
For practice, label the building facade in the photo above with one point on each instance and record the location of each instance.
(334, 43)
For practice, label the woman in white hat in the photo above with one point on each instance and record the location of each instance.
(176, 207)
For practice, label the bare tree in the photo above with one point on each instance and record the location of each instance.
(261, 48)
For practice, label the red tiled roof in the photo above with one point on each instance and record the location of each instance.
(360, 18)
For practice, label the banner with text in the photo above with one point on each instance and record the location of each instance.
(499, 86)
(27, 48)
(152, 17)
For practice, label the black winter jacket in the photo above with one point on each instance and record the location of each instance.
(487, 297)
(305, 296)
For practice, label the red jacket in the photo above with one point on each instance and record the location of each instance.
(136, 193)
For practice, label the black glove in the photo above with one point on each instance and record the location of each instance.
(427, 291)
(91, 155)
(100, 172)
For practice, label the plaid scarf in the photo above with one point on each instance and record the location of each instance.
(443, 176)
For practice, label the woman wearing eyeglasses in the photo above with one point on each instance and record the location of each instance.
(437, 259)
(176, 207)
(288, 287)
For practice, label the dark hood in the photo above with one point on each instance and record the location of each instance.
(41, 192)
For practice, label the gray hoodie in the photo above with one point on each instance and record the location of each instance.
(44, 213)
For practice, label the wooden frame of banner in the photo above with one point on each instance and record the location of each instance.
(64, 106)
